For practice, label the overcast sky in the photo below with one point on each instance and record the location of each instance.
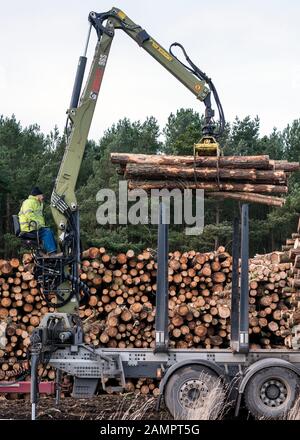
(249, 48)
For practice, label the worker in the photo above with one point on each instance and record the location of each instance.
(31, 218)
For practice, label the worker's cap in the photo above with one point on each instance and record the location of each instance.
(36, 191)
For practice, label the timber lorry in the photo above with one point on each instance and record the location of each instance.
(268, 380)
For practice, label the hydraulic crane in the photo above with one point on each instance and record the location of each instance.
(59, 338)
(59, 276)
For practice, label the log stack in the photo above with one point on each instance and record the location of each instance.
(291, 252)
(270, 301)
(254, 179)
(21, 309)
(199, 305)
(121, 308)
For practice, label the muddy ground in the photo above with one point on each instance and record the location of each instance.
(102, 407)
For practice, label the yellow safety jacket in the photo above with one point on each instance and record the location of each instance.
(31, 215)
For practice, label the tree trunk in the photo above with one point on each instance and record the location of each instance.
(258, 162)
(154, 172)
(246, 197)
(208, 186)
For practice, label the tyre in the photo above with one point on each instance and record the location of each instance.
(188, 390)
(272, 392)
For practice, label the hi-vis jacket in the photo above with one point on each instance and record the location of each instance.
(31, 215)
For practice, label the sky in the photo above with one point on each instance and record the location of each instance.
(249, 48)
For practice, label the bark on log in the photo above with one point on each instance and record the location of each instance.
(153, 172)
(284, 165)
(208, 186)
(254, 198)
(258, 162)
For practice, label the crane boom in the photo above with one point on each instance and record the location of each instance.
(63, 200)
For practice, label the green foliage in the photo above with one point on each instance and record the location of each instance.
(272, 145)
(12, 245)
(243, 137)
(182, 131)
(28, 158)
(291, 139)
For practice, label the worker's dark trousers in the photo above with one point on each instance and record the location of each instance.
(47, 237)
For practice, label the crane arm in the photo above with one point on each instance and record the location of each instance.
(188, 74)
(63, 200)
(81, 114)
(120, 20)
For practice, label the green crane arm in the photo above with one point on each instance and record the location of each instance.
(153, 48)
(63, 200)
(63, 197)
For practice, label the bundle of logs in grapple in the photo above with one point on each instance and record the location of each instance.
(121, 309)
(254, 179)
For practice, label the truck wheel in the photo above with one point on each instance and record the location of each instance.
(272, 392)
(186, 390)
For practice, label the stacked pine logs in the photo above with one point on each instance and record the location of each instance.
(121, 309)
(143, 385)
(21, 308)
(246, 178)
(291, 250)
(125, 309)
(270, 300)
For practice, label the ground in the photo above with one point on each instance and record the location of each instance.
(103, 407)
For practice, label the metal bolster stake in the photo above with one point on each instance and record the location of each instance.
(77, 250)
(58, 386)
(244, 299)
(34, 382)
(235, 292)
(161, 320)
